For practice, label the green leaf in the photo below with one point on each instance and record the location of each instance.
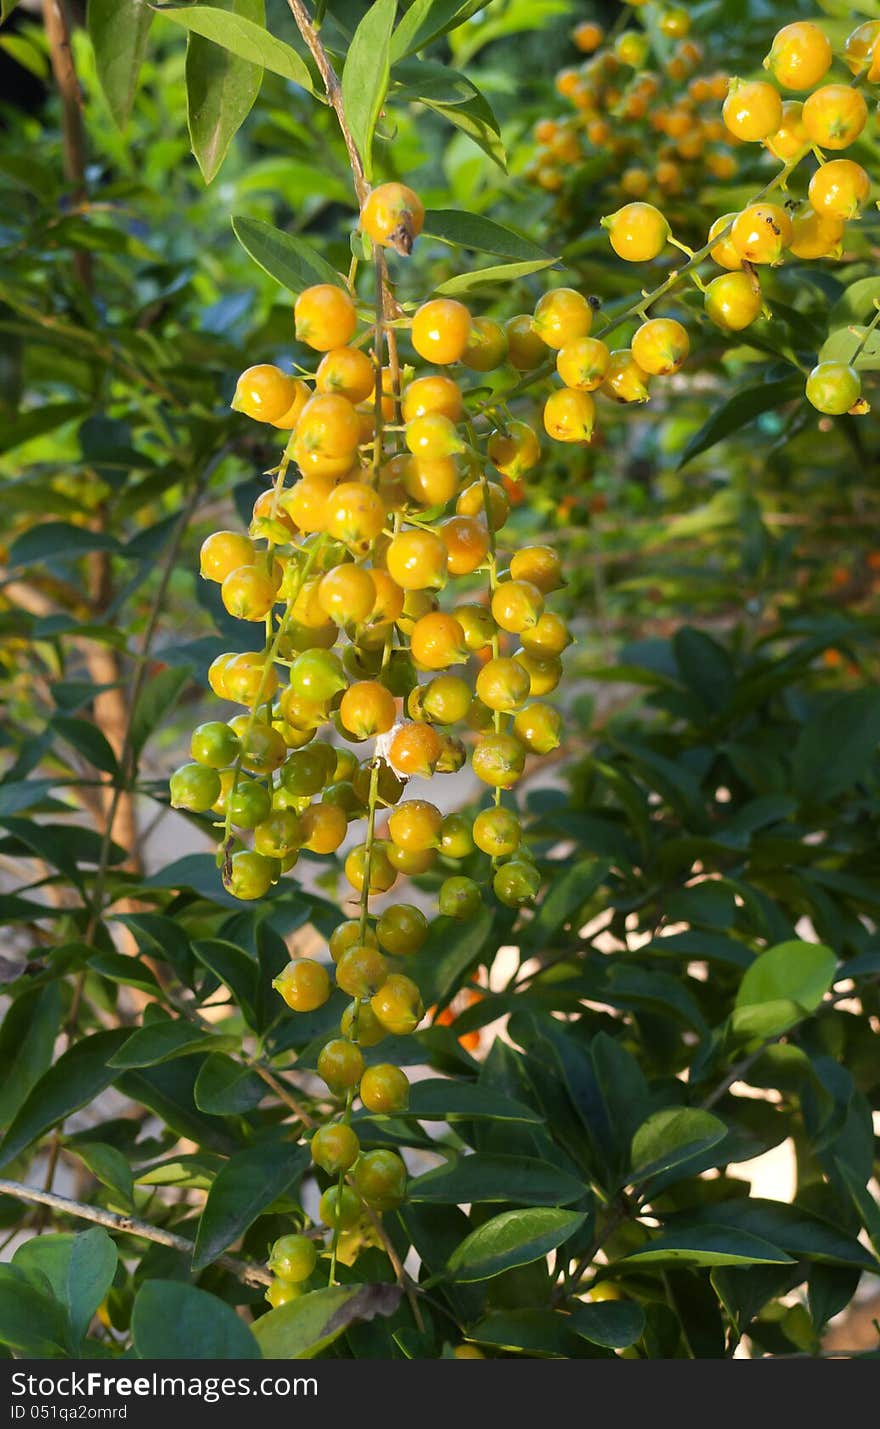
(672, 1137)
(225, 1088)
(247, 1184)
(244, 38)
(529, 1333)
(481, 277)
(836, 745)
(513, 1238)
(448, 953)
(30, 1320)
(163, 1041)
(436, 1099)
(6, 9)
(566, 893)
(613, 1323)
(79, 1269)
(455, 98)
(856, 303)
(853, 345)
(738, 411)
(88, 740)
(158, 696)
(21, 427)
(795, 1230)
(290, 261)
(705, 666)
(479, 1179)
(366, 74)
(27, 1043)
(303, 1328)
(221, 90)
(484, 235)
(119, 30)
(107, 1165)
(426, 20)
(781, 986)
(173, 1321)
(232, 966)
(122, 968)
(707, 1245)
(51, 539)
(76, 1079)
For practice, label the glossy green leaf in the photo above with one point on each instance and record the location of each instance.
(221, 89)
(290, 261)
(513, 1238)
(480, 1178)
(436, 1099)
(31, 1320)
(672, 1137)
(366, 74)
(108, 1165)
(477, 278)
(708, 1245)
(303, 1328)
(247, 40)
(242, 1190)
(163, 1041)
(837, 745)
(225, 1087)
(76, 1079)
(484, 235)
(613, 1323)
(119, 31)
(781, 986)
(174, 1321)
(743, 407)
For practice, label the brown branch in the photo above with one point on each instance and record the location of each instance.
(130, 1225)
(334, 92)
(57, 25)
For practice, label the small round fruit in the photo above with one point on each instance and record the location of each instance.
(498, 760)
(194, 787)
(460, 897)
(815, 235)
(402, 929)
(503, 685)
(497, 832)
(293, 1258)
(723, 252)
(214, 744)
(380, 1178)
(398, 1005)
(525, 350)
(733, 301)
(248, 593)
(514, 451)
(761, 233)
(367, 708)
(445, 699)
(660, 346)
(625, 381)
(839, 188)
(346, 935)
(441, 330)
(562, 316)
(487, 346)
(414, 825)
(361, 970)
(833, 388)
(340, 1064)
(383, 874)
(335, 1148)
(324, 317)
(393, 216)
(250, 875)
(516, 882)
(354, 513)
(415, 749)
(800, 55)
(791, 138)
(303, 984)
(416, 560)
(638, 232)
(434, 394)
(264, 393)
(539, 728)
(582, 364)
(339, 1207)
(347, 594)
(347, 372)
(835, 115)
(278, 835)
(752, 110)
(466, 539)
(437, 641)
(540, 565)
(517, 606)
(384, 1089)
(322, 828)
(569, 415)
(223, 552)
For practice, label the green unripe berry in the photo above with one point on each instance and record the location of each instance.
(516, 883)
(460, 898)
(214, 744)
(380, 1177)
(194, 787)
(335, 1148)
(293, 1258)
(339, 1207)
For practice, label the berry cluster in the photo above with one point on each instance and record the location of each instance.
(628, 85)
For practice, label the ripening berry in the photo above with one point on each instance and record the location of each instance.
(733, 300)
(752, 110)
(261, 748)
(503, 685)
(194, 787)
(800, 55)
(223, 552)
(247, 678)
(588, 36)
(367, 708)
(539, 728)
(497, 832)
(569, 415)
(383, 875)
(416, 560)
(346, 372)
(455, 836)
(347, 594)
(354, 513)
(214, 744)
(335, 1148)
(411, 862)
(265, 393)
(459, 897)
(278, 835)
(293, 1258)
(306, 771)
(361, 970)
(432, 437)
(761, 233)
(402, 929)
(723, 252)
(437, 641)
(359, 1022)
(415, 749)
(516, 606)
(514, 451)
(638, 232)
(415, 825)
(339, 1207)
(675, 23)
(525, 349)
(833, 388)
(323, 828)
(248, 593)
(282, 1292)
(791, 138)
(249, 803)
(498, 760)
(441, 330)
(548, 636)
(340, 1063)
(835, 115)
(466, 539)
(306, 502)
(861, 45)
(317, 675)
(393, 216)
(540, 565)
(485, 500)
(388, 605)
(435, 393)
(347, 934)
(839, 188)
(324, 317)
(328, 427)
(398, 1005)
(384, 1089)
(582, 364)
(430, 481)
(544, 674)
(625, 380)
(516, 882)
(562, 316)
(380, 1178)
(250, 875)
(815, 235)
(446, 699)
(660, 346)
(487, 346)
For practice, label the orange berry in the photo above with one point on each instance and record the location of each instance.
(347, 594)
(347, 372)
(625, 380)
(435, 393)
(415, 825)
(723, 252)
(264, 392)
(367, 708)
(516, 605)
(223, 552)
(514, 451)
(815, 235)
(582, 364)
(487, 346)
(248, 593)
(800, 55)
(524, 347)
(569, 415)
(660, 346)
(733, 300)
(416, 560)
(860, 45)
(638, 232)
(561, 317)
(388, 604)
(328, 425)
(431, 481)
(441, 329)
(473, 502)
(303, 984)
(383, 876)
(437, 641)
(835, 115)
(432, 437)
(752, 109)
(323, 828)
(839, 188)
(393, 216)
(466, 539)
(588, 36)
(498, 760)
(791, 138)
(540, 565)
(324, 317)
(415, 749)
(355, 513)
(761, 233)
(503, 685)
(306, 502)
